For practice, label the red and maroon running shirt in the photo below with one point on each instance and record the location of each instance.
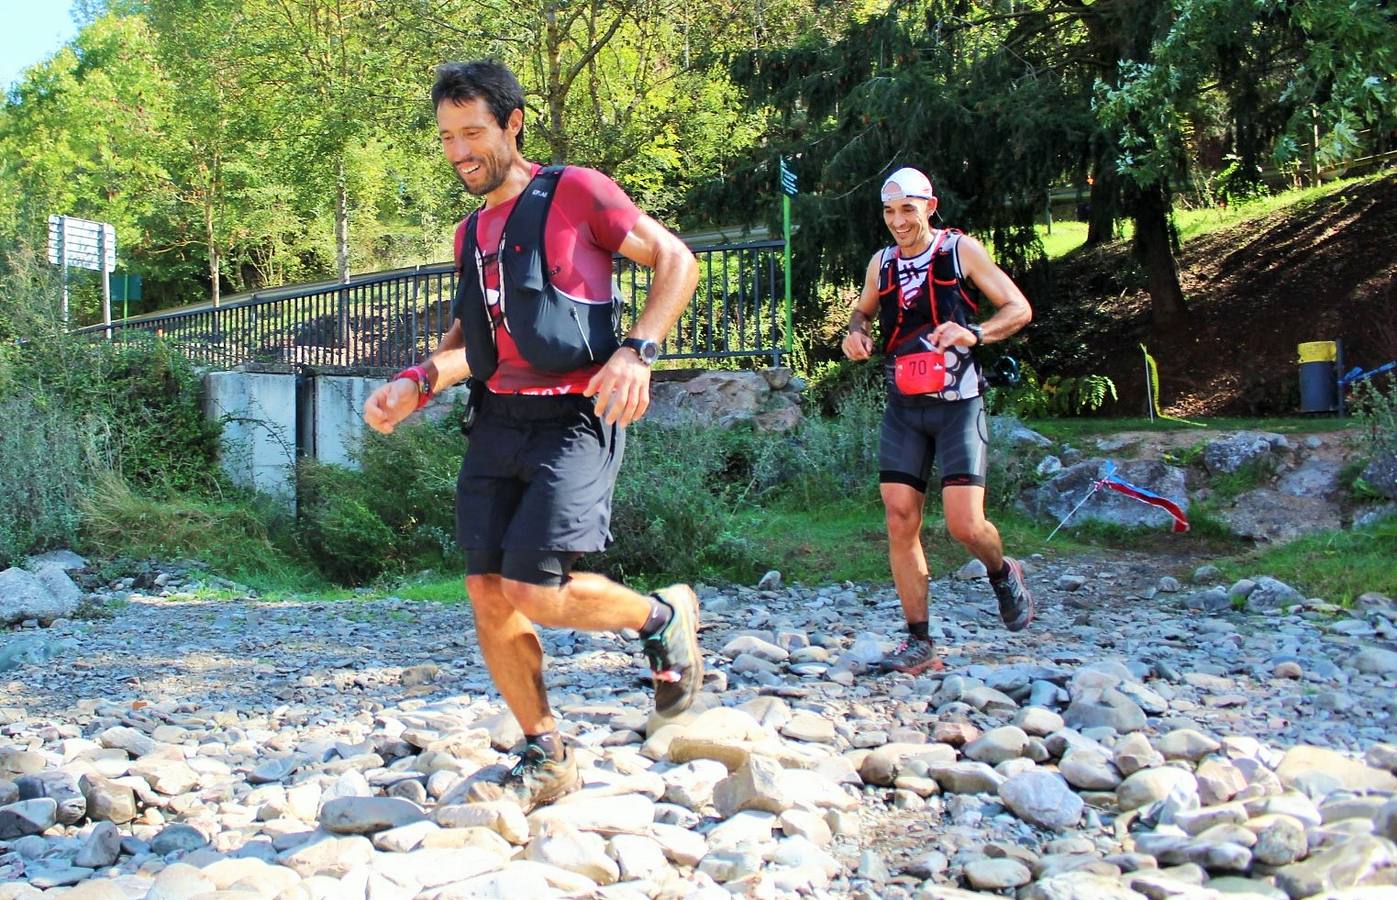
(587, 223)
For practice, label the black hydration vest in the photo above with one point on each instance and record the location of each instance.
(553, 331)
(944, 299)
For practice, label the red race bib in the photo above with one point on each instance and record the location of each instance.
(920, 373)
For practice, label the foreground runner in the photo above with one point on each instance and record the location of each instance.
(935, 411)
(535, 487)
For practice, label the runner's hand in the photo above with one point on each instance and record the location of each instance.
(390, 404)
(621, 388)
(950, 334)
(857, 345)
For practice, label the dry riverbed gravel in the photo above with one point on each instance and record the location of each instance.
(1150, 736)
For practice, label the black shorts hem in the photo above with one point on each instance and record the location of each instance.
(891, 476)
(967, 480)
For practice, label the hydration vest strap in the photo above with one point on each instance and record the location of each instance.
(929, 289)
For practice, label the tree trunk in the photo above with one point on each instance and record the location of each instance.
(209, 241)
(341, 221)
(1154, 249)
(553, 90)
(342, 251)
(1104, 202)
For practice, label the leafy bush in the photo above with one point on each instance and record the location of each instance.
(397, 509)
(42, 468)
(1375, 405)
(674, 511)
(1057, 395)
(827, 459)
(347, 539)
(833, 384)
(79, 408)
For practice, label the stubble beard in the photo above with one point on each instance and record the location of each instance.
(495, 174)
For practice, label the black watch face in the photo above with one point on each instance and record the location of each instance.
(648, 351)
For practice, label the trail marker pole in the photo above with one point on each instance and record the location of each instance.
(788, 190)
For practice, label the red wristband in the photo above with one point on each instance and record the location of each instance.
(424, 384)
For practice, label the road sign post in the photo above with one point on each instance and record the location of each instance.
(86, 245)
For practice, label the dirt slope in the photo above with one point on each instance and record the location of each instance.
(1324, 271)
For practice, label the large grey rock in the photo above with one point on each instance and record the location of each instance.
(23, 595)
(1095, 707)
(723, 398)
(59, 785)
(1381, 473)
(1315, 477)
(66, 560)
(366, 815)
(27, 817)
(107, 801)
(1148, 785)
(1043, 799)
(1225, 456)
(1345, 865)
(1266, 514)
(1009, 431)
(177, 838)
(100, 848)
(1055, 498)
(1271, 593)
(1376, 661)
(1318, 771)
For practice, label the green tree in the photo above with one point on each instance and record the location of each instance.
(81, 136)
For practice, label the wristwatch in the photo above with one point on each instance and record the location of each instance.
(648, 351)
(979, 334)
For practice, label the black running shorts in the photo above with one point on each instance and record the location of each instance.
(916, 432)
(535, 486)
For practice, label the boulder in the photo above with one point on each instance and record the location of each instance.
(1229, 454)
(1055, 498)
(24, 595)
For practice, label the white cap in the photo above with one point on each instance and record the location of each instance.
(905, 183)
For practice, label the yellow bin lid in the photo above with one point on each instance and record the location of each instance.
(1318, 351)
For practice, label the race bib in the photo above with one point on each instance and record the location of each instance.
(920, 373)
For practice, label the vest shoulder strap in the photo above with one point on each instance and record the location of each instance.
(466, 225)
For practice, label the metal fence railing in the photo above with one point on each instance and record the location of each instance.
(392, 319)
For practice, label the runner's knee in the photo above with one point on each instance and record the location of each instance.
(487, 597)
(904, 520)
(965, 528)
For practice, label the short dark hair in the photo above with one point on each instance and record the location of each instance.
(487, 79)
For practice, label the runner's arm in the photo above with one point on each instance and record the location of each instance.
(857, 343)
(622, 387)
(397, 399)
(1012, 311)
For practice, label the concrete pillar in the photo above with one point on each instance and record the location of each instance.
(258, 412)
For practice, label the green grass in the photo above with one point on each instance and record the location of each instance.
(1074, 428)
(1065, 237)
(1334, 565)
(848, 541)
(1069, 235)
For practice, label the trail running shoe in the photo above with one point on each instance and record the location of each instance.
(676, 662)
(913, 657)
(537, 779)
(1016, 606)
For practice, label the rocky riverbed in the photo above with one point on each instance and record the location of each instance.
(1154, 734)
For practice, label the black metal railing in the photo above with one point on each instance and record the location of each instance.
(389, 320)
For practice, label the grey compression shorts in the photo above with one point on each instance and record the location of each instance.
(952, 433)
